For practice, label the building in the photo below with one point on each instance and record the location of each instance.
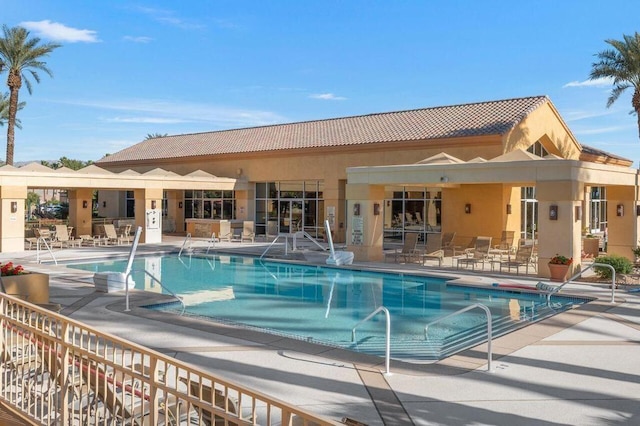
(476, 169)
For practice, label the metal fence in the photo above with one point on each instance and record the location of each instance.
(57, 371)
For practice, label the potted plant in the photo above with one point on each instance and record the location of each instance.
(636, 253)
(32, 286)
(559, 266)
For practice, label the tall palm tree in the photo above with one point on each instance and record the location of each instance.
(622, 64)
(20, 54)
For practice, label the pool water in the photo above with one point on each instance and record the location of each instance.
(323, 304)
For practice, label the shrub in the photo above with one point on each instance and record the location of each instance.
(621, 264)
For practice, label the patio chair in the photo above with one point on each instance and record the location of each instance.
(447, 242)
(479, 255)
(465, 250)
(433, 249)
(523, 257)
(124, 232)
(63, 239)
(111, 234)
(225, 233)
(505, 247)
(408, 250)
(247, 231)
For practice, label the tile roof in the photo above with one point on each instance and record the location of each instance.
(476, 119)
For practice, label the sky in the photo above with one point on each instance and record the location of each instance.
(127, 69)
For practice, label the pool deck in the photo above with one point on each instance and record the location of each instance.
(579, 367)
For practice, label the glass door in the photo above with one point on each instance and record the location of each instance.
(290, 216)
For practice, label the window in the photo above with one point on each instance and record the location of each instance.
(210, 204)
(411, 209)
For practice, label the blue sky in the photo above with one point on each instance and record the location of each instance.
(130, 68)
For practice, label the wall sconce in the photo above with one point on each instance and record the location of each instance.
(620, 210)
(578, 212)
(179, 204)
(356, 209)
(553, 212)
(85, 204)
(239, 171)
(376, 209)
(14, 207)
(638, 210)
(104, 204)
(508, 208)
(467, 208)
(153, 204)
(444, 179)
(389, 203)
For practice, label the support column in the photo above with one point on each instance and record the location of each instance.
(364, 221)
(81, 211)
(559, 230)
(12, 200)
(622, 220)
(175, 211)
(148, 214)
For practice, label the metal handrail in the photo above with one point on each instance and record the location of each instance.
(314, 241)
(48, 249)
(150, 275)
(613, 278)
(184, 243)
(271, 245)
(387, 355)
(468, 308)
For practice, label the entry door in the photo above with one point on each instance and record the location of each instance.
(290, 216)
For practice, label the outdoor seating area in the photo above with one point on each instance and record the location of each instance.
(62, 236)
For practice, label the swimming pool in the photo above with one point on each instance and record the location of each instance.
(323, 304)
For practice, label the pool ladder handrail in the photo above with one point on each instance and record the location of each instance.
(606, 265)
(188, 239)
(272, 243)
(153, 277)
(460, 311)
(387, 350)
(48, 249)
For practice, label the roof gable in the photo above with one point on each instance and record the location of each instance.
(476, 119)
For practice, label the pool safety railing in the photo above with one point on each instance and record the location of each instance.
(187, 244)
(153, 278)
(58, 371)
(42, 240)
(468, 308)
(387, 343)
(552, 289)
(294, 241)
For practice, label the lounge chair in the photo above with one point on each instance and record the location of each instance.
(63, 239)
(88, 240)
(111, 234)
(124, 232)
(433, 249)
(226, 404)
(447, 242)
(523, 257)
(479, 255)
(505, 247)
(409, 249)
(465, 250)
(225, 233)
(248, 233)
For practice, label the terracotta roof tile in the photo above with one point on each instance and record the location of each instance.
(477, 119)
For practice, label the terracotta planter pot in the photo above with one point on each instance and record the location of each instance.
(33, 286)
(558, 272)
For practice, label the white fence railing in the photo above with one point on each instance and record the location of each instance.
(57, 371)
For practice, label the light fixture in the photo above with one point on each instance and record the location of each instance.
(578, 212)
(467, 208)
(638, 210)
(153, 204)
(356, 209)
(14, 206)
(508, 208)
(376, 209)
(85, 204)
(620, 210)
(179, 204)
(553, 212)
(444, 179)
(104, 204)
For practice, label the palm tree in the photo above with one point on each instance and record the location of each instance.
(622, 64)
(155, 135)
(20, 54)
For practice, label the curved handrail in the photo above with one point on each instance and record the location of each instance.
(48, 249)
(387, 355)
(271, 245)
(150, 275)
(554, 289)
(468, 308)
(187, 238)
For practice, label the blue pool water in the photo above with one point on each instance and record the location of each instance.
(323, 304)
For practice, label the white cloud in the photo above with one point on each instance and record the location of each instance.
(138, 39)
(328, 97)
(168, 17)
(583, 115)
(598, 82)
(145, 120)
(600, 130)
(59, 32)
